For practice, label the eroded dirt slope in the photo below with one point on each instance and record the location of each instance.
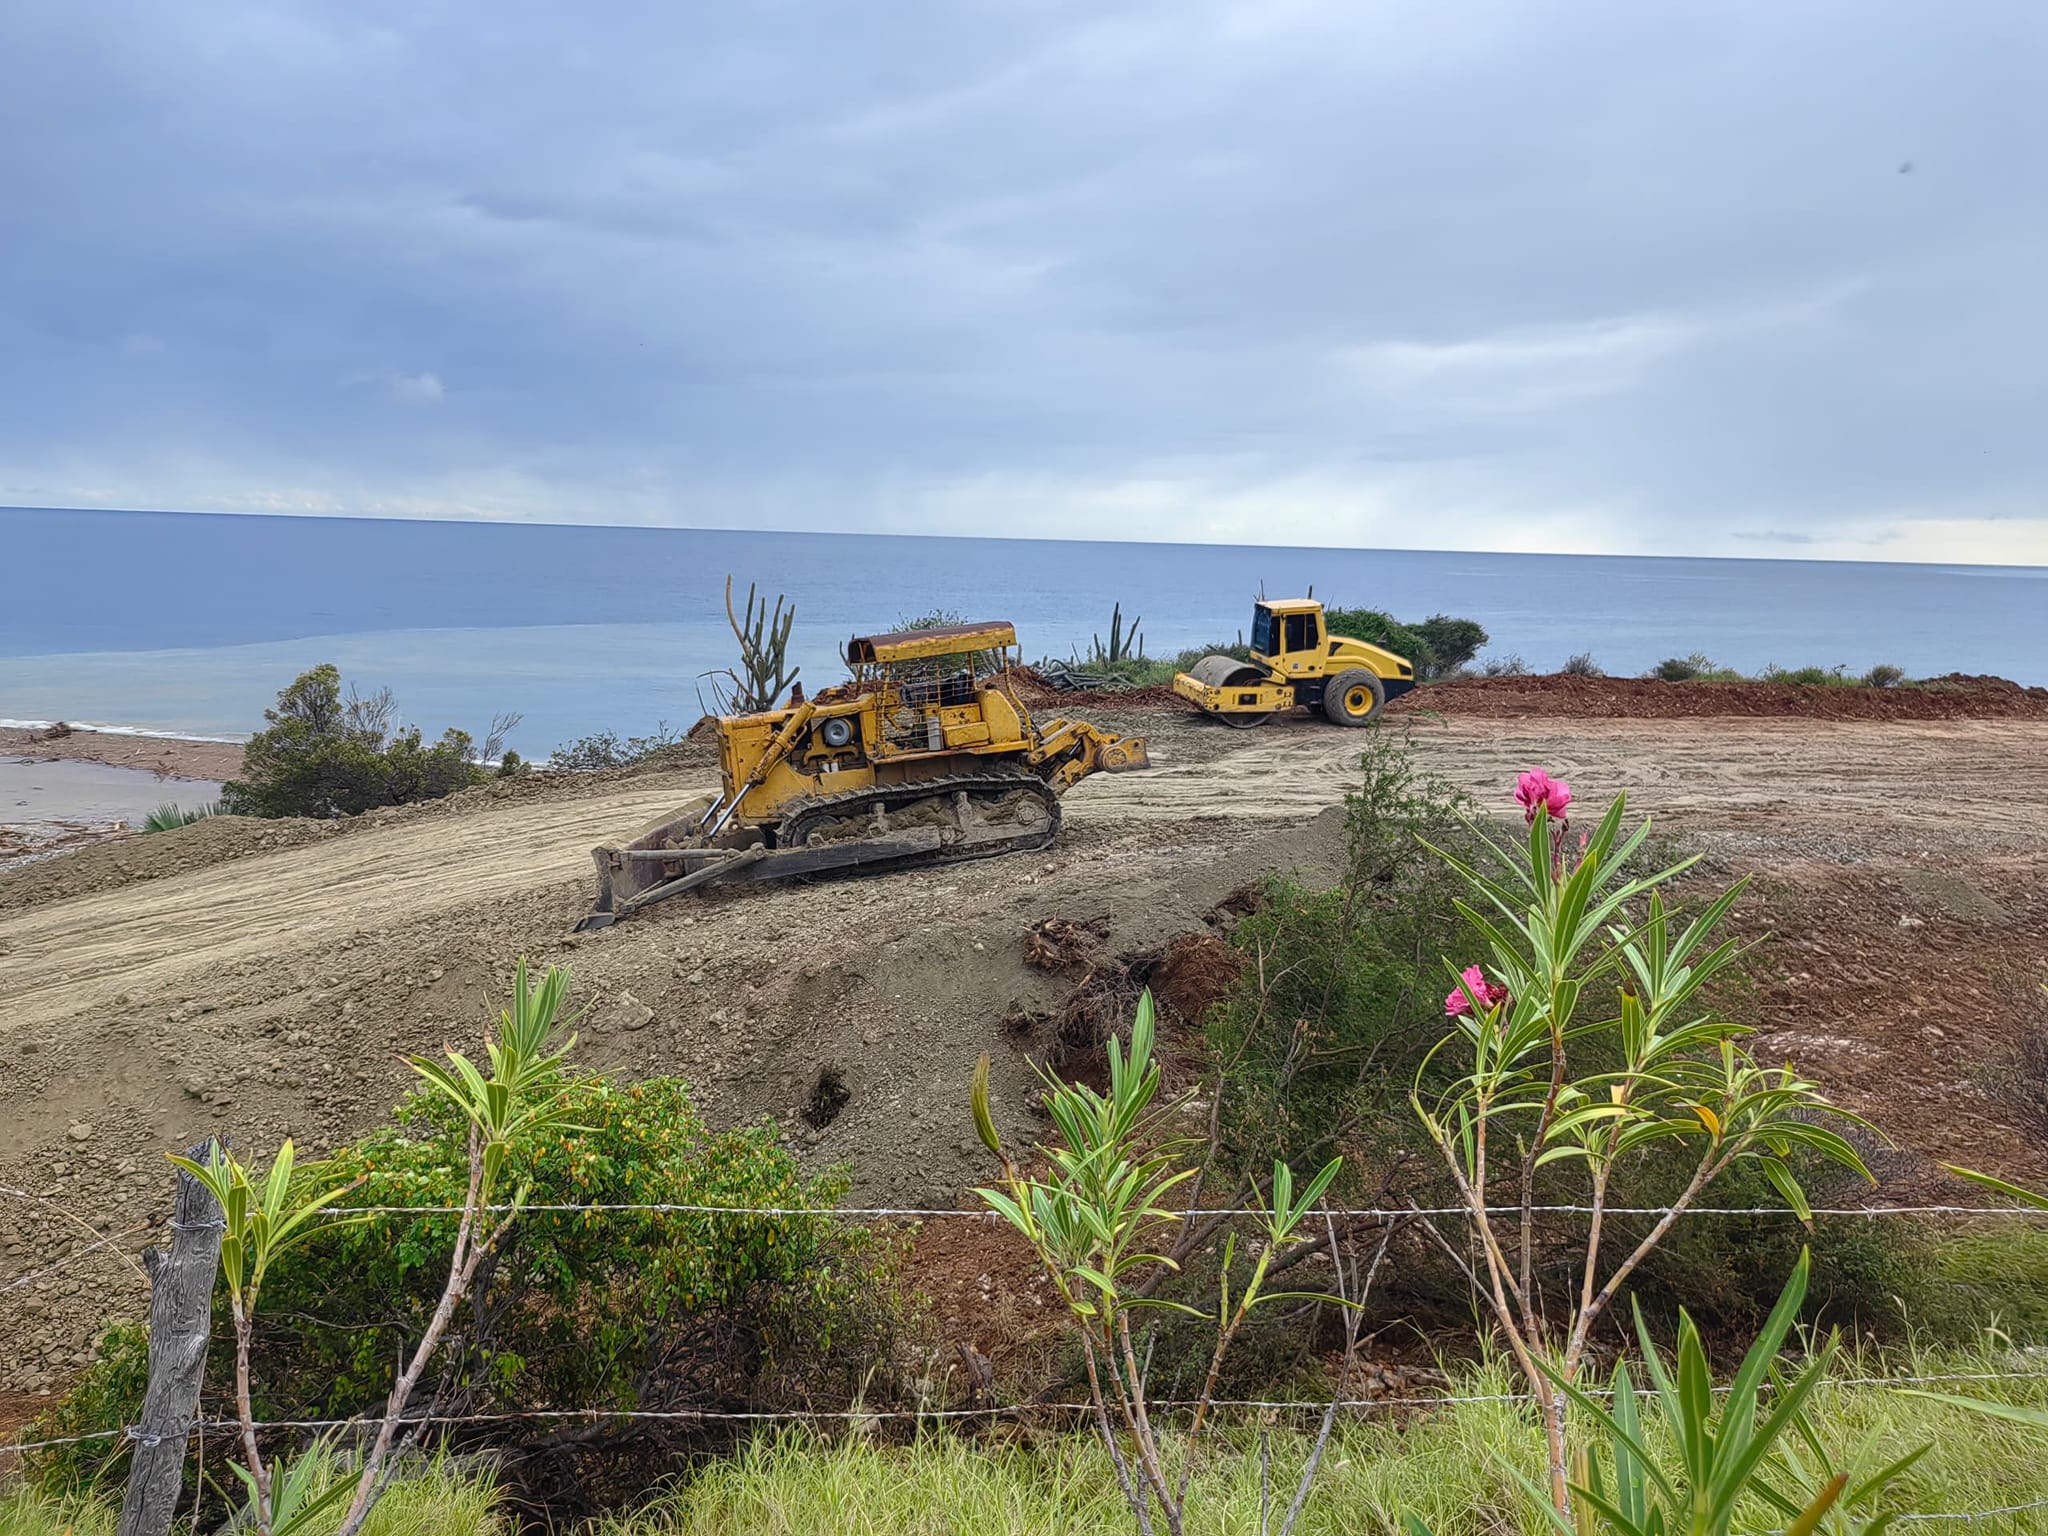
(272, 989)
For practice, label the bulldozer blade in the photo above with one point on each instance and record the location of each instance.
(824, 858)
(648, 860)
(716, 866)
(704, 874)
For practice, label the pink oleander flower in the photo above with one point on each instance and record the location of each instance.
(1537, 788)
(1477, 991)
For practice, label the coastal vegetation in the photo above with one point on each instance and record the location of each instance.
(608, 749)
(326, 753)
(1701, 668)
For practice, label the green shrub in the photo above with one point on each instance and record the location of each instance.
(939, 618)
(1684, 669)
(325, 755)
(1807, 677)
(1439, 646)
(1510, 665)
(607, 749)
(1581, 664)
(1451, 644)
(1324, 1033)
(628, 1310)
(1353, 970)
(1382, 629)
(106, 1395)
(931, 618)
(168, 817)
(1884, 675)
(1725, 1270)
(637, 1310)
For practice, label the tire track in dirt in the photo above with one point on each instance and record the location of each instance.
(1967, 784)
(72, 956)
(1985, 780)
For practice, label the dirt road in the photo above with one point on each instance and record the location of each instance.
(272, 992)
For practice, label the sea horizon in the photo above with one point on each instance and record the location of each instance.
(1787, 558)
(188, 623)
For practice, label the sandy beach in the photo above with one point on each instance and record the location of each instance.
(166, 756)
(65, 790)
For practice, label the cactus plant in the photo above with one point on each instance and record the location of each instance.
(1121, 647)
(764, 671)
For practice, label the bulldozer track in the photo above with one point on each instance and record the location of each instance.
(798, 824)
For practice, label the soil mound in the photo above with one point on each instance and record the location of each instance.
(1955, 697)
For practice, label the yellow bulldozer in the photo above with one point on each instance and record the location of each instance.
(1296, 662)
(927, 756)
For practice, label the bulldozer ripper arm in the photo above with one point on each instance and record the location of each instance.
(1070, 750)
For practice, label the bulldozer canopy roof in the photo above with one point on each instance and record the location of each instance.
(944, 640)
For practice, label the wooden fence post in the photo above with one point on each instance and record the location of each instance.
(180, 1321)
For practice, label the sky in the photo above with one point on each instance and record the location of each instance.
(1731, 279)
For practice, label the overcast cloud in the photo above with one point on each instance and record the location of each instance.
(1756, 279)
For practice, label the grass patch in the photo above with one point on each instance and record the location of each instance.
(436, 1498)
(1995, 1279)
(25, 1512)
(1454, 1466)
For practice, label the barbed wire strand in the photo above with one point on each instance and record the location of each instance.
(1976, 1514)
(72, 1258)
(32, 1198)
(924, 1213)
(879, 1415)
(886, 1212)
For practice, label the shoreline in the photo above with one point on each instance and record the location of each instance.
(168, 757)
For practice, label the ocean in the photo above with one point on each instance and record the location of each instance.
(189, 623)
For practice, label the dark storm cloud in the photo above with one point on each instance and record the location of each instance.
(1728, 279)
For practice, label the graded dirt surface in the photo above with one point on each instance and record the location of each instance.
(263, 979)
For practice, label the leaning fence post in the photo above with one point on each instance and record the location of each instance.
(180, 1320)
